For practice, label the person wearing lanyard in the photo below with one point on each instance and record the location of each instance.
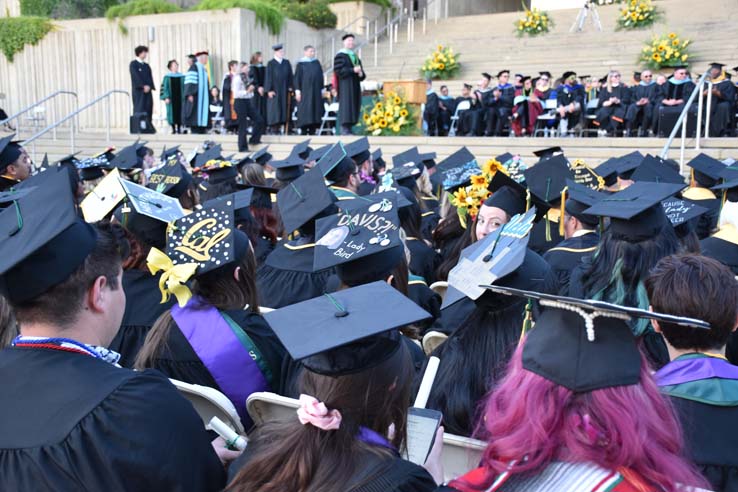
(243, 90)
(71, 419)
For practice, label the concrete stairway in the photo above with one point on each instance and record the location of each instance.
(487, 43)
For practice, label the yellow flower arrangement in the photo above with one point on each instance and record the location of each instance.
(637, 14)
(667, 50)
(533, 22)
(390, 115)
(441, 64)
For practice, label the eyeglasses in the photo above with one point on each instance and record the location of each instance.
(647, 76)
(616, 76)
(544, 80)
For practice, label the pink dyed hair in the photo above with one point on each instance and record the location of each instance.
(527, 415)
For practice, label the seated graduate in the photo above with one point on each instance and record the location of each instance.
(340, 171)
(722, 112)
(569, 102)
(174, 180)
(447, 107)
(644, 101)
(359, 152)
(431, 113)
(612, 106)
(214, 335)
(465, 124)
(410, 170)
(563, 417)
(617, 171)
(287, 275)
(476, 353)
(505, 95)
(71, 418)
(706, 173)
(639, 235)
(526, 110)
(674, 95)
(723, 244)
(355, 391)
(377, 169)
(701, 384)
(483, 116)
(579, 231)
(15, 163)
(424, 259)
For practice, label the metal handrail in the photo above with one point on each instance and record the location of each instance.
(37, 103)
(682, 120)
(71, 115)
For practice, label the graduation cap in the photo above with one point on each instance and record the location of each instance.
(127, 158)
(548, 152)
(706, 170)
(545, 73)
(455, 177)
(547, 179)
(586, 176)
(42, 239)
(680, 211)
(377, 158)
(366, 240)
(428, 159)
(358, 150)
(467, 86)
(303, 199)
(498, 254)
(301, 150)
(7, 198)
(336, 163)
(501, 72)
(636, 213)
(151, 203)
(729, 189)
(220, 171)
(45, 162)
(346, 36)
(717, 65)
(204, 52)
(212, 153)
(507, 199)
(103, 198)
(170, 152)
(242, 201)
(260, 197)
(486, 76)
(288, 169)
(579, 198)
(172, 179)
(595, 347)
(395, 194)
(345, 332)
(92, 168)
(568, 74)
(277, 47)
(621, 166)
(410, 155)
(655, 170)
(10, 151)
(316, 154)
(106, 154)
(405, 175)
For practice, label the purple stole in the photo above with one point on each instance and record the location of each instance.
(220, 350)
(695, 369)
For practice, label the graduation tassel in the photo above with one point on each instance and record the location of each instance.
(527, 320)
(527, 200)
(562, 211)
(548, 221)
(692, 181)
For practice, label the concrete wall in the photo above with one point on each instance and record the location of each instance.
(356, 17)
(91, 56)
(9, 8)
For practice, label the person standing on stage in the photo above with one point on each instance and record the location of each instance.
(172, 93)
(350, 73)
(257, 74)
(142, 83)
(244, 92)
(226, 93)
(308, 91)
(278, 84)
(197, 102)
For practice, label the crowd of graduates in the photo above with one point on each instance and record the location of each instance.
(588, 313)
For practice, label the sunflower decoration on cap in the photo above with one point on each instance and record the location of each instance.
(468, 199)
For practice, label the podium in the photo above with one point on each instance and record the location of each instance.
(412, 90)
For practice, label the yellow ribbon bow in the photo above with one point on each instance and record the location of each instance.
(173, 278)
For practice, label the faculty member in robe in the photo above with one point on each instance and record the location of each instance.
(526, 110)
(675, 93)
(350, 73)
(172, 93)
(308, 91)
(569, 102)
(257, 74)
(505, 95)
(447, 107)
(722, 112)
(644, 99)
(278, 84)
(142, 83)
(197, 95)
(612, 105)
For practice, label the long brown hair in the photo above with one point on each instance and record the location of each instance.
(217, 287)
(8, 326)
(302, 458)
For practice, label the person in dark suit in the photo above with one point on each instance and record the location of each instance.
(142, 83)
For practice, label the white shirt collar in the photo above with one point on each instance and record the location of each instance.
(582, 232)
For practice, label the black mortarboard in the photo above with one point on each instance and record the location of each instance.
(503, 158)
(262, 156)
(455, 177)
(717, 65)
(501, 180)
(377, 157)
(45, 162)
(656, 170)
(706, 170)
(428, 159)
(507, 199)
(637, 75)
(547, 179)
(336, 164)
(220, 171)
(347, 35)
(42, 239)
(501, 72)
(10, 151)
(103, 198)
(586, 176)
(545, 73)
(409, 155)
(679, 211)
(397, 194)
(172, 179)
(593, 353)
(579, 198)
(345, 332)
(729, 189)
(301, 150)
(288, 169)
(277, 47)
(405, 175)
(455, 160)
(498, 254)
(261, 196)
(70, 163)
(621, 166)
(92, 168)
(211, 153)
(486, 76)
(568, 74)
(548, 152)
(303, 199)
(525, 78)
(358, 150)
(166, 153)
(467, 86)
(127, 158)
(636, 213)
(316, 154)
(241, 200)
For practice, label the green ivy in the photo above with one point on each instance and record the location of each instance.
(314, 13)
(17, 32)
(40, 8)
(267, 14)
(139, 7)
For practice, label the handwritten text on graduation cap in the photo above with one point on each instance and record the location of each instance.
(353, 234)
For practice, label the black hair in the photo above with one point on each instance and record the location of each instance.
(141, 49)
(169, 64)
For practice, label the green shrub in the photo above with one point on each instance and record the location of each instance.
(141, 7)
(267, 14)
(39, 8)
(17, 32)
(315, 13)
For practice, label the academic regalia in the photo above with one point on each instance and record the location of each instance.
(643, 116)
(723, 247)
(309, 81)
(722, 117)
(278, 79)
(424, 260)
(431, 113)
(143, 102)
(568, 94)
(527, 113)
(143, 308)
(446, 109)
(423, 296)
(544, 229)
(349, 86)
(74, 422)
(504, 106)
(343, 193)
(229, 112)
(673, 89)
(568, 254)
(257, 74)
(197, 85)
(611, 117)
(172, 88)
(484, 116)
(262, 249)
(464, 125)
(6, 183)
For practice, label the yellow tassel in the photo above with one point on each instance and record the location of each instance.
(527, 320)
(563, 211)
(527, 200)
(692, 181)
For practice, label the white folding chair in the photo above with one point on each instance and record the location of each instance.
(549, 115)
(439, 288)
(209, 403)
(432, 340)
(218, 119)
(590, 114)
(462, 106)
(329, 109)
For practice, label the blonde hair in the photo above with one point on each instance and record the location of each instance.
(609, 76)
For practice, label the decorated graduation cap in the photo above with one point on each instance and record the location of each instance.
(336, 165)
(92, 168)
(410, 155)
(146, 213)
(547, 179)
(10, 151)
(172, 179)
(209, 154)
(455, 176)
(358, 150)
(498, 254)
(196, 244)
(680, 211)
(103, 198)
(42, 239)
(656, 170)
(303, 199)
(636, 213)
(595, 347)
(220, 171)
(288, 169)
(579, 198)
(344, 332)
(706, 170)
(366, 240)
(586, 176)
(405, 174)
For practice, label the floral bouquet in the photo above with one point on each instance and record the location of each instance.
(533, 23)
(441, 64)
(607, 2)
(637, 14)
(389, 116)
(665, 51)
(468, 199)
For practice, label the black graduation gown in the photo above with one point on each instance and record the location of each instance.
(287, 276)
(143, 308)
(7, 183)
(140, 76)
(309, 81)
(257, 74)
(609, 117)
(721, 250)
(72, 422)
(452, 316)
(722, 112)
(423, 259)
(538, 241)
(423, 296)
(710, 436)
(644, 115)
(225, 94)
(568, 254)
(428, 222)
(349, 89)
(262, 249)
(431, 113)
(278, 79)
(566, 95)
(668, 114)
(464, 123)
